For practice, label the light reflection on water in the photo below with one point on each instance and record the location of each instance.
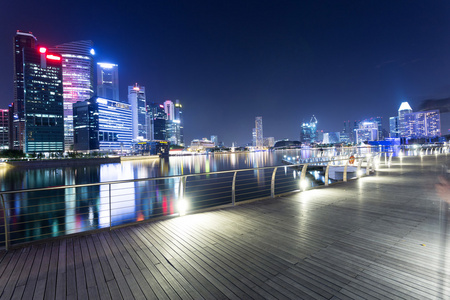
(52, 213)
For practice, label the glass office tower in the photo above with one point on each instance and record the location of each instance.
(78, 80)
(102, 124)
(43, 101)
(108, 81)
(22, 40)
(136, 98)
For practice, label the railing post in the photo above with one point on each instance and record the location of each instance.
(272, 183)
(5, 214)
(181, 187)
(326, 173)
(344, 176)
(110, 210)
(303, 176)
(233, 189)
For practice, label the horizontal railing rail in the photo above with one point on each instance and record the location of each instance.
(38, 213)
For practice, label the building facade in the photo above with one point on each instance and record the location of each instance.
(404, 109)
(137, 100)
(422, 124)
(259, 137)
(22, 40)
(393, 127)
(367, 131)
(78, 80)
(108, 121)
(308, 133)
(43, 101)
(4, 129)
(108, 81)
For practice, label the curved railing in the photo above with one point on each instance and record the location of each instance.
(33, 214)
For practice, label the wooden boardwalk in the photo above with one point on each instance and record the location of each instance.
(379, 237)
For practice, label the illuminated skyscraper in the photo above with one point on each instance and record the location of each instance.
(102, 124)
(402, 126)
(137, 100)
(367, 131)
(308, 133)
(157, 124)
(423, 124)
(174, 126)
(43, 101)
(4, 129)
(259, 138)
(108, 81)
(22, 40)
(393, 127)
(78, 80)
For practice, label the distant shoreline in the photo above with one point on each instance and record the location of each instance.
(70, 162)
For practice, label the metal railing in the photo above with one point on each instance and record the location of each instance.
(33, 214)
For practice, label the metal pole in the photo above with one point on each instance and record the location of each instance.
(233, 189)
(6, 224)
(344, 177)
(272, 183)
(303, 175)
(110, 210)
(326, 173)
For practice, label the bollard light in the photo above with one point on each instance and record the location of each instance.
(303, 184)
(359, 173)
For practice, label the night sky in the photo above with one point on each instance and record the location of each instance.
(230, 61)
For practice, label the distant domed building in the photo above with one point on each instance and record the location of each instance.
(287, 144)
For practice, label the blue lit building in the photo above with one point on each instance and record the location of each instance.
(308, 134)
(102, 125)
(108, 81)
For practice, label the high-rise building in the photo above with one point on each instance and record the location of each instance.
(179, 120)
(423, 124)
(108, 81)
(102, 124)
(137, 100)
(43, 101)
(367, 131)
(22, 40)
(259, 132)
(215, 140)
(174, 126)
(157, 124)
(4, 129)
(78, 80)
(393, 127)
(331, 137)
(404, 109)
(308, 133)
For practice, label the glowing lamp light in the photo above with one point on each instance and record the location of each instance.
(162, 106)
(42, 50)
(359, 173)
(182, 206)
(303, 184)
(136, 88)
(92, 51)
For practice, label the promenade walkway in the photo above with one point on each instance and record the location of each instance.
(379, 237)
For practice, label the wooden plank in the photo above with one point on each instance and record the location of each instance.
(100, 280)
(41, 283)
(71, 279)
(190, 274)
(34, 273)
(122, 283)
(14, 277)
(90, 281)
(61, 278)
(80, 270)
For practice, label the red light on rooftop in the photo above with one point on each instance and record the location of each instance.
(136, 88)
(162, 106)
(42, 50)
(53, 57)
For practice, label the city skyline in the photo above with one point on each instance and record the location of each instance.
(230, 62)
